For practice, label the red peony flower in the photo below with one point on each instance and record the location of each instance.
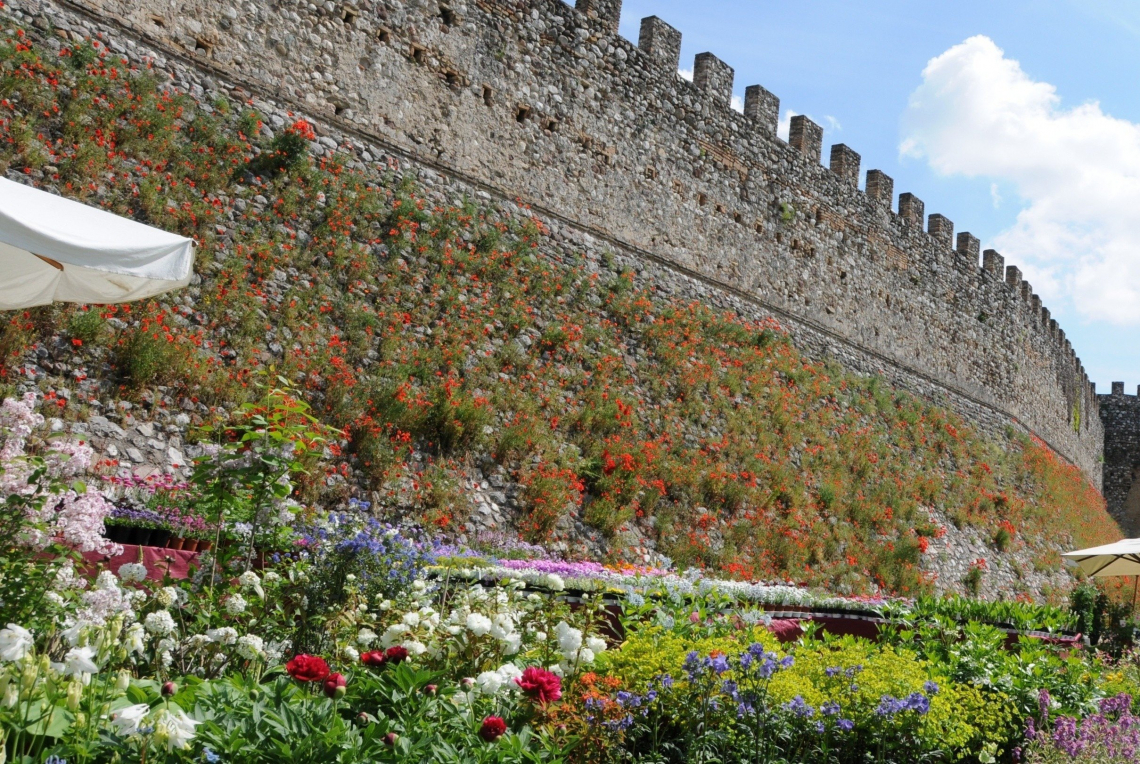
(373, 658)
(307, 668)
(493, 728)
(540, 684)
(334, 685)
(396, 654)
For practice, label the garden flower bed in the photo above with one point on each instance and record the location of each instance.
(360, 644)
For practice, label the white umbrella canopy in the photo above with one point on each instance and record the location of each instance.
(1121, 558)
(56, 250)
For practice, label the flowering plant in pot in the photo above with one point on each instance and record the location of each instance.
(140, 524)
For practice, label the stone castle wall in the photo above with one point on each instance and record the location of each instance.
(537, 101)
(1120, 414)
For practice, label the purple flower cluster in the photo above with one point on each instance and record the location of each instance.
(1112, 734)
(133, 516)
(557, 567)
(508, 546)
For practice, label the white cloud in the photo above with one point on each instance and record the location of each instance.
(686, 74)
(738, 103)
(832, 123)
(995, 195)
(784, 124)
(1076, 169)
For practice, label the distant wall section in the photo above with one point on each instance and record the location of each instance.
(1120, 414)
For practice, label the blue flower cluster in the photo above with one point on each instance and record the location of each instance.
(890, 706)
(380, 556)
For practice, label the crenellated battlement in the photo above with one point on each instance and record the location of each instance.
(537, 101)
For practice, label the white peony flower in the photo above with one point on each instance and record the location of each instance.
(271, 577)
(251, 647)
(393, 634)
(489, 682)
(15, 642)
(174, 729)
(554, 582)
(415, 647)
(478, 624)
(351, 653)
(160, 623)
(412, 619)
(510, 672)
(596, 644)
(512, 643)
(569, 639)
(132, 573)
(127, 721)
(249, 579)
(365, 637)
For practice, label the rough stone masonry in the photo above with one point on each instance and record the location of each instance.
(537, 101)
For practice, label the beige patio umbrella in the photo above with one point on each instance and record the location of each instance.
(57, 250)
(1120, 558)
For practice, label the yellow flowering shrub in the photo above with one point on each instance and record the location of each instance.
(653, 651)
(884, 671)
(965, 719)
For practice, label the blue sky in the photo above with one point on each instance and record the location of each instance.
(1025, 131)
